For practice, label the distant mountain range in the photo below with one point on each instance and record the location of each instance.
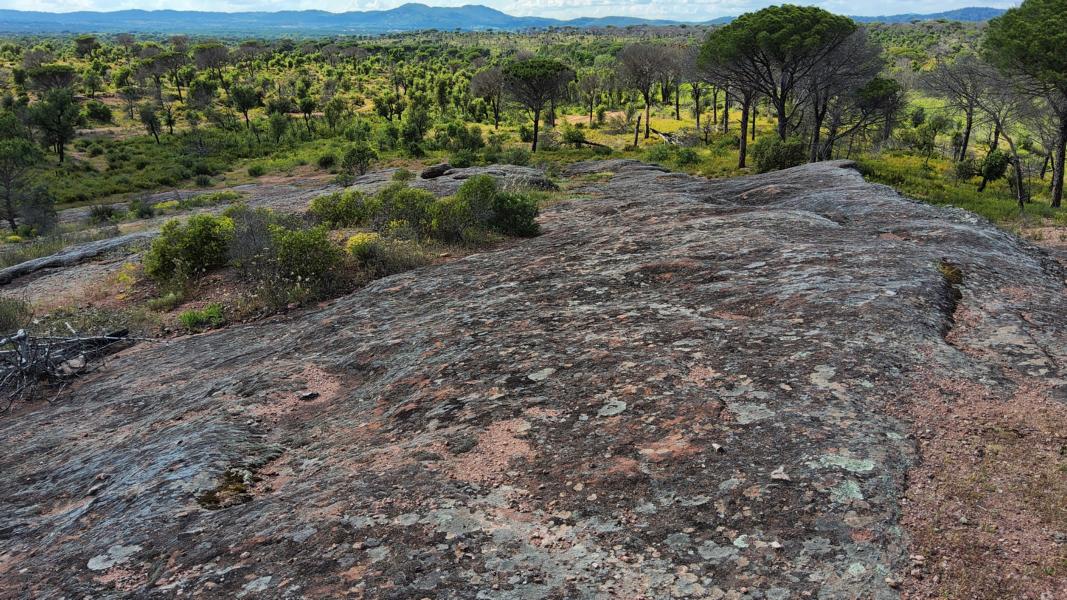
(409, 17)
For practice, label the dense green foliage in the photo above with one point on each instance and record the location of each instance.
(185, 250)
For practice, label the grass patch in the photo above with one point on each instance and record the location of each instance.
(934, 184)
(208, 317)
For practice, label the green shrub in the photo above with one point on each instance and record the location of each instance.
(307, 258)
(660, 153)
(479, 206)
(995, 165)
(381, 257)
(403, 174)
(966, 169)
(340, 209)
(725, 144)
(363, 246)
(479, 193)
(209, 199)
(207, 318)
(256, 170)
(771, 153)
(574, 136)
(183, 251)
(141, 209)
(100, 214)
(15, 314)
(452, 219)
(516, 156)
(687, 157)
(327, 161)
(462, 158)
(398, 209)
(203, 180)
(97, 111)
(515, 214)
(357, 160)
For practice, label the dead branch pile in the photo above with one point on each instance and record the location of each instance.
(31, 365)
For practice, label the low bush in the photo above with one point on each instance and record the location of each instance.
(185, 250)
(479, 206)
(516, 156)
(380, 257)
(363, 246)
(340, 209)
(660, 153)
(141, 209)
(96, 110)
(357, 159)
(402, 211)
(403, 174)
(100, 214)
(327, 161)
(207, 318)
(462, 158)
(515, 214)
(256, 170)
(772, 154)
(168, 301)
(686, 157)
(307, 258)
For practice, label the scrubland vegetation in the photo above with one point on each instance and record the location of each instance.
(962, 114)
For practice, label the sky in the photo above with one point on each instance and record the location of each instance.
(682, 10)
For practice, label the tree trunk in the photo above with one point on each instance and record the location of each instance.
(714, 105)
(678, 103)
(537, 122)
(783, 124)
(696, 92)
(1058, 163)
(969, 122)
(752, 118)
(9, 204)
(648, 117)
(637, 131)
(726, 110)
(746, 106)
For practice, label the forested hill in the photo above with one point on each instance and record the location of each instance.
(409, 17)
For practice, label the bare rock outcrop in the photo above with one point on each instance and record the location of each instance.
(683, 388)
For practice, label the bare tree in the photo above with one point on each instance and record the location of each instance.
(960, 84)
(1004, 103)
(589, 88)
(489, 85)
(640, 67)
(834, 81)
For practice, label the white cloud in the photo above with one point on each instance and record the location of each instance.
(693, 10)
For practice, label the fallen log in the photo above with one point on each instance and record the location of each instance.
(72, 256)
(667, 138)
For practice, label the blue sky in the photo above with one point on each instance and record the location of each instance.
(687, 10)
